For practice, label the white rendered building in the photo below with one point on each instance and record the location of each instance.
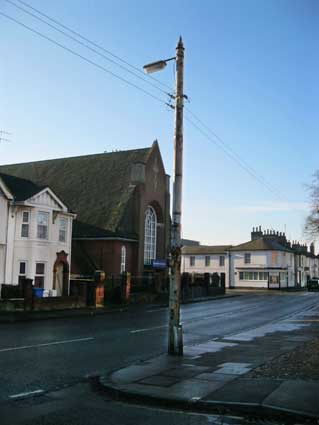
(35, 235)
(206, 259)
(268, 260)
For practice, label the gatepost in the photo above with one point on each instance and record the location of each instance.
(27, 294)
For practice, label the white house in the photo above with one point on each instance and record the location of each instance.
(35, 235)
(206, 259)
(268, 260)
(262, 263)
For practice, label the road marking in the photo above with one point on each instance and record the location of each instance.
(147, 329)
(46, 344)
(303, 320)
(23, 395)
(156, 309)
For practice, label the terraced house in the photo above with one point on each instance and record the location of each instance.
(268, 260)
(35, 235)
(122, 204)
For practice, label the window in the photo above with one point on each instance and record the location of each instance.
(221, 261)
(43, 223)
(207, 260)
(253, 275)
(274, 258)
(63, 224)
(192, 261)
(247, 258)
(25, 224)
(22, 271)
(263, 276)
(150, 235)
(39, 275)
(123, 259)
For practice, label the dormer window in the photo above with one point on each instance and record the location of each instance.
(42, 225)
(63, 224)
(25, 224)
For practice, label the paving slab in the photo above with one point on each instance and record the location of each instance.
(190, 389)
(299, 396)
(245, 391)
(184, 372)
(215, 376)
(232, 368)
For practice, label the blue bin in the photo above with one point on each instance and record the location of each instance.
(38, 292)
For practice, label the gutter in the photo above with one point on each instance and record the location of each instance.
(110, 238)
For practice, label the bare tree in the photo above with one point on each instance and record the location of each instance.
(312, 221)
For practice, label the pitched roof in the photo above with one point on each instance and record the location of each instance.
(205, 249)
(97, 187)
(260, 244)
(20, 188)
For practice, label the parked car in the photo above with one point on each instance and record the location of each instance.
(313, 284)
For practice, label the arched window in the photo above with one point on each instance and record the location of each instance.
(150, 235)
(123, 259)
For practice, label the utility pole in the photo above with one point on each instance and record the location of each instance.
(175, 332)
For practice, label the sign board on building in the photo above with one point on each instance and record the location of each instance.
(159, 264)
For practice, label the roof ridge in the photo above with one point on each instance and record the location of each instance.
(78, 156)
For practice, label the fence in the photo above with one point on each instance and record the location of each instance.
(200, 285)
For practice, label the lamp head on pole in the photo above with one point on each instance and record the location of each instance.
(154, 66)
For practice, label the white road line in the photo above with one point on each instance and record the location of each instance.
(22, 395)
(157, 309)
(46, 344)
(147, 329)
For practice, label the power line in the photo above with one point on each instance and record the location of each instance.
(62, 46)
(233, 158)
(226, 149)
(92, 43)
(145, 80)
(236, 155)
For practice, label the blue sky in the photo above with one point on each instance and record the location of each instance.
(251, 73)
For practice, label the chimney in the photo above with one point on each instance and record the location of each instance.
(312, 248)
(256, 233)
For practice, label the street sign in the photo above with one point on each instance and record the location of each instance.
(159, 264)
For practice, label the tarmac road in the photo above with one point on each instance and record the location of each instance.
(53, 357)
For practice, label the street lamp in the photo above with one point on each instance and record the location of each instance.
(175, 334)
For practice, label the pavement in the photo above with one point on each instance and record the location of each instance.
(214, 376)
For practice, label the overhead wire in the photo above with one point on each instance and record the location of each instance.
(135, 74)
(73, 52)
(56, 21)
(234, 154)
(219, 143)
(233, 157)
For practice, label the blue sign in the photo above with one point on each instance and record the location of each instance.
(159, 264)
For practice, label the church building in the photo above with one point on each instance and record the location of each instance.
(122, 203)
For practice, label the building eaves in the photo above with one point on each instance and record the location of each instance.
(205, 249)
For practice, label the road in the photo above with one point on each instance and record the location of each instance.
(50, 357)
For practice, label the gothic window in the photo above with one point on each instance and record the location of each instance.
(123, 259)
(150, 235)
